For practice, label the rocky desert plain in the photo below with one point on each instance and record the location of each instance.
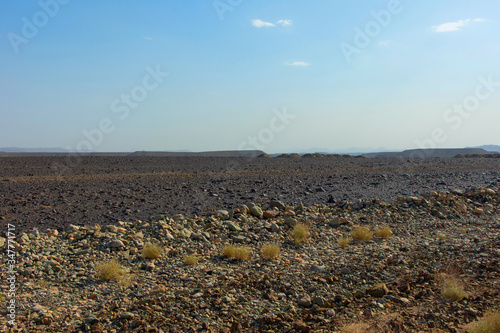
(219, 244)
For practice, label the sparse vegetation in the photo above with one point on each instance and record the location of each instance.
(384, 232)
(236, 252)
(111, 270)
(343, 241)
(452, 289)
(270, 251)
(441, 236)
(488, 324)
(361, 234)
(300, 233)
(151, 251)
(191, 259)
(464, 231)
(125, 280)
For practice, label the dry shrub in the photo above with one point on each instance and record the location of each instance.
(111, 270)
(191, 259)
(361, 234)
(464, 231)
(384, 232)
(236, 252)
(441, 236)
(490, 323)
(452, 289)
(151, 251)
(343, 241)
(270, 251)
(300, 233)
(357, 328)
(125, 280)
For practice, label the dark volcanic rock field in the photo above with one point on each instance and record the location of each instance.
(45, 192)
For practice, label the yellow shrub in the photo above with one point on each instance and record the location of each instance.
(489, 324)
(343, 241)
(270, 251)
(110, 270)
(384, 232)
(300, 233)
(361, 234)
(151, 251)
(236, 252)
(191, 259)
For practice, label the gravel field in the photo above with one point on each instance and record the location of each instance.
(434, 269)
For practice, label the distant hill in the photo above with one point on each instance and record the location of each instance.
(429, 153)
(228, 153)
(493, 148)
(32, 150)
(223, 153)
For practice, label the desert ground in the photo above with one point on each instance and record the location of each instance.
(365, 245)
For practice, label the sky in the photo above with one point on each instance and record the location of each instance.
(274, 75)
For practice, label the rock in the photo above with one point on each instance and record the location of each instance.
(379, 290)
(37, 308)
(72, 228)
(233, 227)
(115, 244)
(2, 241)
(319, 301)
(127, 315)
(358, 293)
(316, 268)
(277, 204)
(301, 327)
(305, 301)
(236, 327)
(256, 211)
(91, 320)
(185, 233)
(330, 313)
(226, 299)
(479, 211)
(345, 270)
(271, 214)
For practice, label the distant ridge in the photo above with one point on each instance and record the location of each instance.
(430, 153)
(494, 148)
(226, 153)
(223, 153)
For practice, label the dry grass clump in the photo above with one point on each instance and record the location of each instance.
(452, 289)
(464, 231)
(111, 270)
(191, 259)
(441, 236)
(384, 232)
(343, 241)
(151, 251)
(270, 251)
(300, 233)
(236, 252)
(357, 328)
(361, 234)
(488, 324)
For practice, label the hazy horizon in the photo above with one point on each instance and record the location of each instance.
(277, 76)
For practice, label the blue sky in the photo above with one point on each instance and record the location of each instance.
(280, 76)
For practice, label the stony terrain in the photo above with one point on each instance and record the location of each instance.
(445, 226)
(56, 191)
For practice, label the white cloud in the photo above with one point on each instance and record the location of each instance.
(454, 26)
(297, 63)
(148, 38)
(260, 24)
(384, 43)
(285, 23)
